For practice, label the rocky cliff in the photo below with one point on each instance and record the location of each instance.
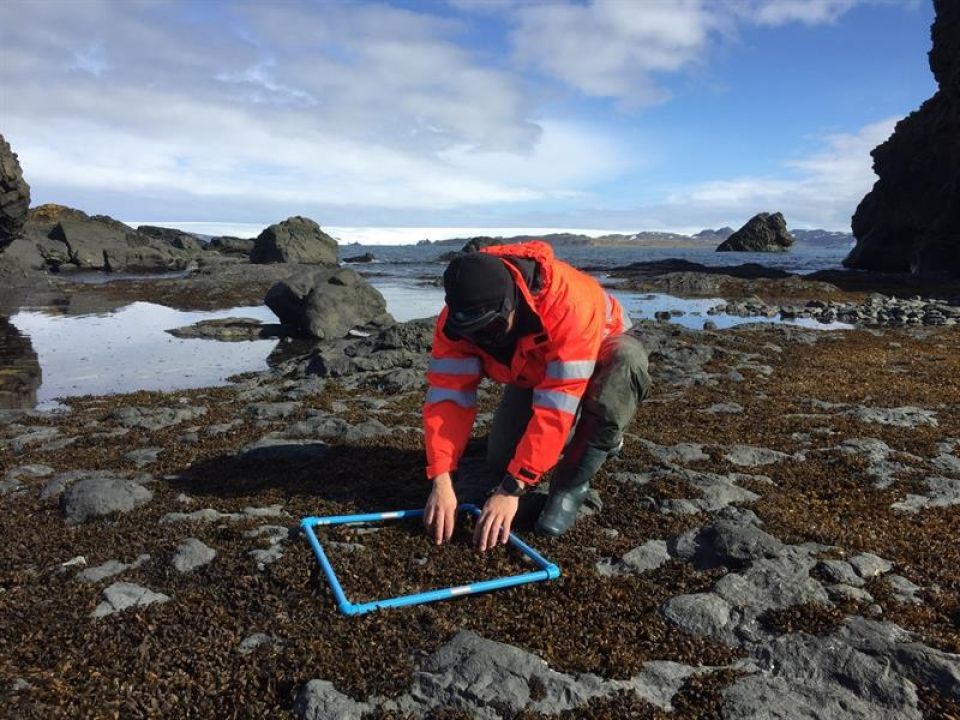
(910, 221)
(14, 196)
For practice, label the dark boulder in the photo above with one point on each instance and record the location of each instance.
(762, 233)
(172, 237)
(327, 303)
(910, 220)
(228, 245)
(14, 196)
(295, 240)
(365, 258)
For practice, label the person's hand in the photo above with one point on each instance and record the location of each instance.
(441, 511)
(493, 525)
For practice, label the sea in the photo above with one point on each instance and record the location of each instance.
(127, 349)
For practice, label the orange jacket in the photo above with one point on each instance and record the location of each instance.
(576, 315)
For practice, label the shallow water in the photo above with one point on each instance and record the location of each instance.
(124, 350)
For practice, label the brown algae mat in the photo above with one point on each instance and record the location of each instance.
(182, 658)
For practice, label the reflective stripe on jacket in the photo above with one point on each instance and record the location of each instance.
(576, 315)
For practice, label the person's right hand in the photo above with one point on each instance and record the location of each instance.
(441, 511)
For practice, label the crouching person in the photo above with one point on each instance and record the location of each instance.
(573, 381)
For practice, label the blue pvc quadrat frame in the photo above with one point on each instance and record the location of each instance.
(547, 571)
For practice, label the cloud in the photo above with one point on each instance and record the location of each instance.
(284, 107)
(821, 190)
(618, 49)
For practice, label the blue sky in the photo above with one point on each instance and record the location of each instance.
(615, 114)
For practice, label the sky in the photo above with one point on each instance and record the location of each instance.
(623, 115)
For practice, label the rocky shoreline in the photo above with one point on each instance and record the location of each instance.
(786, 498)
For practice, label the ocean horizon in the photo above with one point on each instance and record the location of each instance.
(367, 235)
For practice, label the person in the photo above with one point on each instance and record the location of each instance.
(555, 338)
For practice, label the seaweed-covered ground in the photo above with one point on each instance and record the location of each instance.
(778, 539)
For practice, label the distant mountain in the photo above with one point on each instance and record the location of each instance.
(823, 238)
(714, 236)
(708, 238)
(640, 239)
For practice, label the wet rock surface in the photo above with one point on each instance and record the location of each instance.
(326, 304)
(777, 535)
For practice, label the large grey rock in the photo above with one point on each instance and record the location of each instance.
(14, 196)
(102, 243)
(191, 554)
(100, 497)
(327, 303)
(295, 240)
(762, 233)
(123, 595)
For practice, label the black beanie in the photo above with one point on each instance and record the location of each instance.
(477, 281)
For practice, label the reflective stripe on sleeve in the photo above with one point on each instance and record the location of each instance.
(570, 369)
(460, 397)
(455, 366)
(556, 400)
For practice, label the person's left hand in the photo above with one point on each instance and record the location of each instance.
(493, 525)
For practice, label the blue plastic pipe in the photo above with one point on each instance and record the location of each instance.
(548, 571)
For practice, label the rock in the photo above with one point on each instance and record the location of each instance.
(320, 700)
(270, 448)
(272, 410)
(172, 237)
(231, 329)
(724, 407)
(155, 418)
(100, 497)
(682, 453)
(908, 417)
(762, 233)
(868, 565)
(241, 247)
(14, 196)
(910, 220)
(191, 554)
(109, 569)
(942, 492)
(327, 303)
(124, 595)
(749, 456)
(252, 642)
(649, 556)
(102, 243)
(700, 613)
(143, 456)
(365, 258)
(295, 240)
(32, 436)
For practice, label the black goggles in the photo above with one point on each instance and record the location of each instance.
(480, 326)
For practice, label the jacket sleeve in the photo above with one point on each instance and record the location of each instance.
(451, 404)
(574, 346)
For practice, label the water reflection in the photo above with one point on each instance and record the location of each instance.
(20, 373)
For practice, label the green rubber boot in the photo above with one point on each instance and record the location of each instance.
(571, 480)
